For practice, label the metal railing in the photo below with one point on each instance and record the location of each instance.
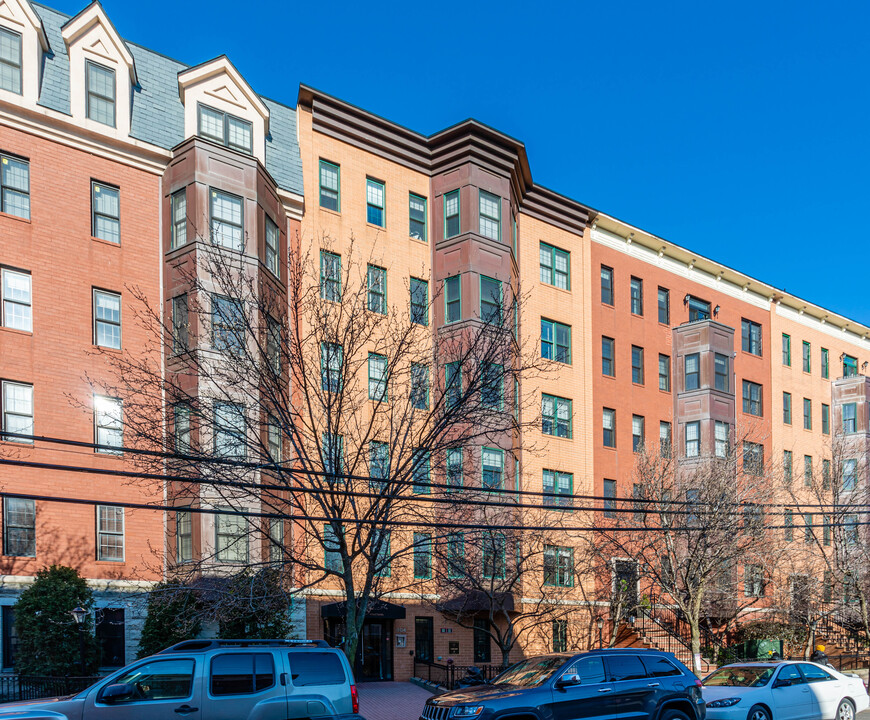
(32, 687)
(447, 675)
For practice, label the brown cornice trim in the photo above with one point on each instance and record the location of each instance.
(555, 209)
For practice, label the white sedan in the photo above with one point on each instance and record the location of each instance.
(783, 691)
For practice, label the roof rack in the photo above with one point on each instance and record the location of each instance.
(203, 645)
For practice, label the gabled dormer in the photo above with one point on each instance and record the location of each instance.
(102, 73)
(219, 105)
(22, 44)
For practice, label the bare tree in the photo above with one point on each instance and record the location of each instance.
(308, 417)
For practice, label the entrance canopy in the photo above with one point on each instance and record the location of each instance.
(379, 609)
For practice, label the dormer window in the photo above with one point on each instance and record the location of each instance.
(100, 93)
(10, 61)
(226, 129)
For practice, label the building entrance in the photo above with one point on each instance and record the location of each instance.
(374, 653)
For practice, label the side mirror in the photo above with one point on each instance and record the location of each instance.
(568, 680)
(781, 683)
(117, 693)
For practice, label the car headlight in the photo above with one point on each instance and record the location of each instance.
(467, 711)
(724, 702)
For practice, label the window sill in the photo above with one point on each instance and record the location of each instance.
(556, 437)
(379, 228)
(104, 348)
(418, 240)
(106, 242)
(337, 213)
(10, 216)
(751, 354)
(110, 562)
(637, 315)
(16, 331)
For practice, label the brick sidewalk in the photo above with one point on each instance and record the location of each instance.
(391, 700)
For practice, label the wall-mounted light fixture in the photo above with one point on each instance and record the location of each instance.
(716, 311)
(686, 299)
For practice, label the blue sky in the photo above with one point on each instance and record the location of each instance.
(738, 130)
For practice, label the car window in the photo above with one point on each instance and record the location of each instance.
(790, 674)
(531, 672)
(815, 674)
(590, 669)
(241, 673)
(158, 680)
(625, 667)
(657, 666)
(740, 676)
(315, 668)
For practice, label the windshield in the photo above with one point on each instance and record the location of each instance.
(740, 676)
(531, 672)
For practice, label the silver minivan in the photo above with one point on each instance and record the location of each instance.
(215, 680)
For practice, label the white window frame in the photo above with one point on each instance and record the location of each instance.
(101, 557)
(108, 323)
(6, 385)
(103, 422)
(11, 303)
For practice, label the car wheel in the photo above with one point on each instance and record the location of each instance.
(758, 712)
(673, 715)
(845, 711)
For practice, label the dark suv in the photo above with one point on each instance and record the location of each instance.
(596, 684)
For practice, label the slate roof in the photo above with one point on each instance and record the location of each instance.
(158, 114)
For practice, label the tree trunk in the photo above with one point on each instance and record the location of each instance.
(505, 656)
(695, 629)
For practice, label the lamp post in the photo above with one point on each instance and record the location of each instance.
(600, 624)
(79, 614)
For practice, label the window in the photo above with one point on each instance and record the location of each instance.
(105, 212)
(807, 350)
(558, 488)
(228, 130)
(14, 181)
(273, 245)
(17, 300)
(492, 385)
(178, 221)
(850, 366)
(664, 306)
(808, 527)
(231, 537)
(452, 383)
(19, 527)
(417, 217)
(181, 427)
(753, 581)
(274, 440)
(786, 350)
(698, 309)
(607, 359)
(751, 398)
(788, 521)
(693, 371)
(481, 641)
(273, 345)
(332, 560)
(490, 215)
(241, 673)
(10, 61)
(826, 474)
(721, 432)
(379, 465)
(330, 186)
(787, 467)
(451, 214)
(419, 386)
(453, 298)
(850, 534)
(665, 438)
(826, 368)
(808, 414)
(421, 473)
(721, 376)
(100, 89)
(826, 419)
(639, 513)
(494, 564)
(107, 319)
(108, 425)
(17, 411)
(110, 533)
(555, 266)
(556, 416)
(330, 276)
(227, 324)
(637, 364)
(492, 462)
(422, 556)
(753, 517)
(331, 365)
(808, 470)
(375, 203)
(383, 559)
(609, 498)
(173, 678)
(229, 430)
(377, 289)
(225, 213)
(109, 631)
(606, 285)
(183, 536)
(453, 469)
(850, 418)
(419, 302)
(560, 636)
(693, 439)
(637, 432)
(490, 300)
(751, 337)
(608, 423)
(753, 458)
(636, 296)
(665, 373)
(850, 475)
(558, 566)
(555, 341)
(786, 408)
(377, 377)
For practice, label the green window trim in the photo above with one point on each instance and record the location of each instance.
(422, 556)
(419, 301)
(826, 419)
(455, 555)
(417, 225)
(826, 368)
(330, 276)
(492, 468)
(419, 386)
(556, 416)
(452, 299)
(558, 488)
(494, 558)
(376, 203)
(786, 350)
(378, 381)
(421, 473)
(807, 357)
(555, 572)
(492, 301)
(452, 221)
(376, 289)
(555, 266)
(383, 560)
(555, 341)
(808, 414)
(786, 408)
(492, 386)
(489, 222)
(330, 189)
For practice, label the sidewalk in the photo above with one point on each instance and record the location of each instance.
(391, 700)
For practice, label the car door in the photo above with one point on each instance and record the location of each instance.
(592, 697)
(161, 689)
(633, 691)
(241, 685)
(792, 699)
(826, 689)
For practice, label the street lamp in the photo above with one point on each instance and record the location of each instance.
(79, 614)
(600, 624)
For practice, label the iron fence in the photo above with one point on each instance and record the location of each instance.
(31, 687)
(447, 675)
